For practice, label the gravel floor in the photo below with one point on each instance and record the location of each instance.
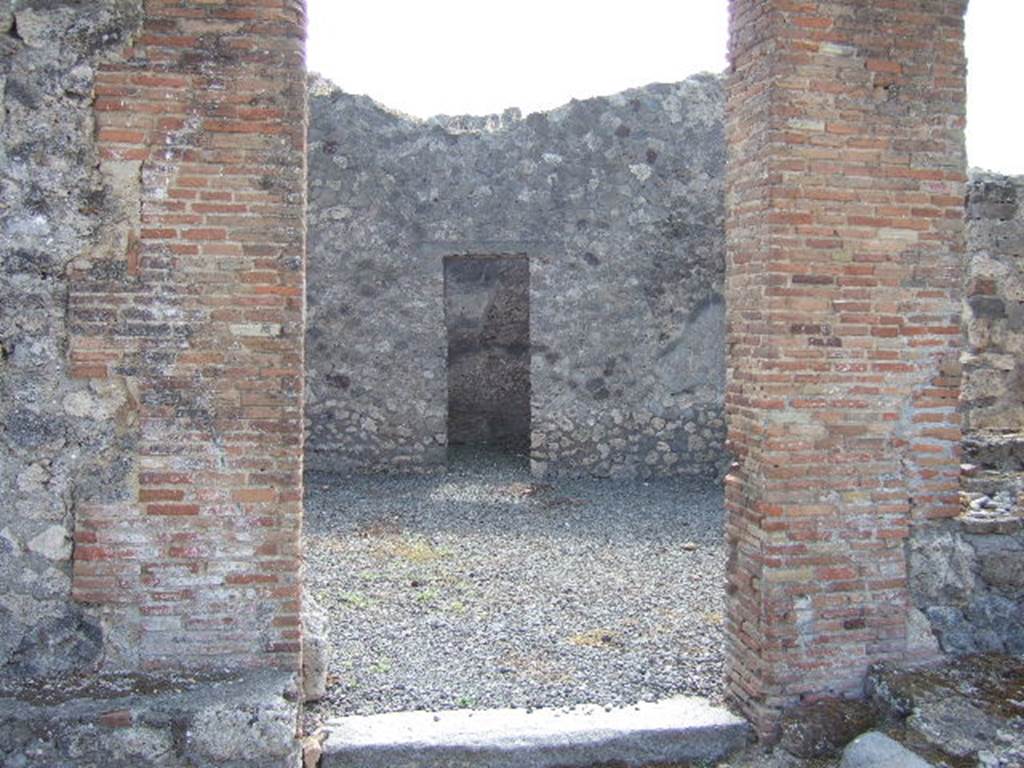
(484, 588)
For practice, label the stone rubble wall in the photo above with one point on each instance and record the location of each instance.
(171, 721)
(63, 441)
(968, 573)
(617, 202)
(967, 578)
(993, 388)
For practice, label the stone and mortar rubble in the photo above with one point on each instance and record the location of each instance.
(62, 442)
(172, 720)
(967, 574)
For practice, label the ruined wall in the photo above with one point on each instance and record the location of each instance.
(846, 183)
(993, 385)
(968, 572)
(618, 204)
(150, 334)
(64, 442)
(487, 314)
(151, 266)
(195, 307)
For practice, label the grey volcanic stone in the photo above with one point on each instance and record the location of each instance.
(170, 720)
(823, 728)
(62, 442)
(876, 750)
(683, 729)
(234, 732)
(942, 566)
(965, 709)
(316, 649)
(66, 643)
(951, 628)
(966, 578)
(1004, 570)
(953, 724)
(618, 203)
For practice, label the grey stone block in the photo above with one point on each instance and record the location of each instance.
(876, 750)
(675, 730)
(316, 650)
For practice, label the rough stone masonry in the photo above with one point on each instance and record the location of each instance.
(152, 159)
(64, 441)
(151, 268)
(617, 205)
(967, 573)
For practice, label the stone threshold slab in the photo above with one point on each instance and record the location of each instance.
(682, 729)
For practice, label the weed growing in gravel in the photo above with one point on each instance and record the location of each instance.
(713, 617)
(416, 550)
(596, 638)
(356, 600)
(428, 595)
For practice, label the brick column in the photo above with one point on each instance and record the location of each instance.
(197, 309)
(845, 236)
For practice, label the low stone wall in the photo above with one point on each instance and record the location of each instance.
(174, 721)
(618, 204)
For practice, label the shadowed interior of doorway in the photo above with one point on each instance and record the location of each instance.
(487, 317)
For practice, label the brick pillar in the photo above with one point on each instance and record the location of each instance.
(845, 236)
(197, 310)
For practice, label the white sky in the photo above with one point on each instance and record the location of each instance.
(427, 57)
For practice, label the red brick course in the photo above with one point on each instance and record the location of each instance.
(845, 238)
(202, 315)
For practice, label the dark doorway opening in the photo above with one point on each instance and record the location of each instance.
(487, 316)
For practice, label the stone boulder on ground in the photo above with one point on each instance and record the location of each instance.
(965, 711)
(876, 750)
